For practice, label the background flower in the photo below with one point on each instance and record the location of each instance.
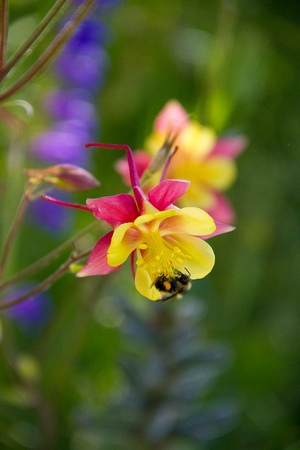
(206, 161)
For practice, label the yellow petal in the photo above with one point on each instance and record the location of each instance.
(191, 221)
(196, 141)
(198, 194)
(143, 284)
(119, 232)
(201, 258)
(160, 215)
(143, 219)
(216, 173)
(124, 241)
(219, 172)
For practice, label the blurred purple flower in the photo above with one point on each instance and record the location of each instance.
(62, 143)
(91, 31)
(50, 218)
(72, 104)
(80, 71)
(84, 67)
(80, 66)
(32, 314)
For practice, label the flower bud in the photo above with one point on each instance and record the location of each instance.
(63, 176)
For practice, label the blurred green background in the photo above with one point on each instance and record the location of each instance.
(235, 65)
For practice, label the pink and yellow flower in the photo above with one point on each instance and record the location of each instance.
(204, 159)
(161, 239)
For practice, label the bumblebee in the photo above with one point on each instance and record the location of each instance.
(177, 285)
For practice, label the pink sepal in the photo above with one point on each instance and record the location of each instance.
(172, 117)
(229, 147)
(70, 205)
(114, 209)
(222, 210)
(165, 193)
(97, 262)
(221, 228)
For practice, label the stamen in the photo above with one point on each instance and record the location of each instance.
(160, 256)
(143, 246)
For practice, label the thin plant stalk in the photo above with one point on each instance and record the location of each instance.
(3, 31)
(47, 259)
(31, 39)
(61, 38)
(47, 282)
(14, 228)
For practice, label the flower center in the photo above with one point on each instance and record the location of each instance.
(159, 256)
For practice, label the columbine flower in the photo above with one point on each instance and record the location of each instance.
(207, 161)
(166, 240)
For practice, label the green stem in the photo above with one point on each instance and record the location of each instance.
(32, 38)
(61, 38)
(42, 262)
(3, 31)
(14, 228)
(47, 282)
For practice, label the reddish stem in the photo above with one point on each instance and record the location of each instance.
(32, 38)
(3, 31)
(56, 44)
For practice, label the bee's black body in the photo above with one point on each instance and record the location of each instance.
(177, 285)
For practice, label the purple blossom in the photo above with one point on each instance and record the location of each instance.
(62, 143)
(91, 31)
(49, 218)
(80, 71)
(72, 104)
(32, 314)
(84, 67)
(80, 66)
